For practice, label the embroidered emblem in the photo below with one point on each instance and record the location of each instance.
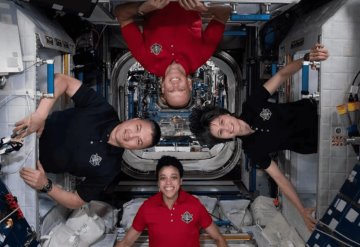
(156, 49)
(187, 217)
(265, 114)
(95, 160)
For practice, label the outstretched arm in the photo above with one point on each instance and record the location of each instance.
(125, 13)
(317, 53)
(289, 191)
(220, 13)
(195, 5)
(36, 179)
(214, 233)
(36, 121)
(131, 236)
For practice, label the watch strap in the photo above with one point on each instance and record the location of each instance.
(47, 187)
(307, 57)
(140, 13)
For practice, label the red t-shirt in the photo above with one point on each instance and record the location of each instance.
(172, 34)
(176, 227)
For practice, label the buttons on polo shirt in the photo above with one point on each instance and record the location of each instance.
(171, 215)
(92, 141)
(261, 130)
(172, 48)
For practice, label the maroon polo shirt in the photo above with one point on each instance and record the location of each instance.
(176, 227)
(172, 34)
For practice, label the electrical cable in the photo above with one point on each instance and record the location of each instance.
(331, 236)
(8, 98)
(7, 216)
(355, 78)
(221, 219)
(354, 90)
(236, 228)
(3, 102)
(100, 36)
(32, 65)
(21, 166)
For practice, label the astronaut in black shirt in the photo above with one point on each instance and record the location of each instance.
(267, 127)
(87, 141)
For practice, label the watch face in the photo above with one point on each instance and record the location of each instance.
(47, 187)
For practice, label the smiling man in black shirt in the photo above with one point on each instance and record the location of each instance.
(87, 141)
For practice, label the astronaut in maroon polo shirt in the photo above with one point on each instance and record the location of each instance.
(172, 43)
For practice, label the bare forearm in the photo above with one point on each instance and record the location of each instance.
(46, 104)
(125, 13)
(221, 242)
(290, 69)
(66, 198)
(130, 237)
(289, 191)
(317, 53)
(122, 244)
(62, 84)
(215, 234)
(220, 13)
(282, 75)
(285, 186)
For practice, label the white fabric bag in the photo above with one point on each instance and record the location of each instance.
(90, 227)
(106, 212)
(130, 210)
(63, 236)
(236, 212)
(263, 210)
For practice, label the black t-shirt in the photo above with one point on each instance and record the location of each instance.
(288, 126)
(75, 141)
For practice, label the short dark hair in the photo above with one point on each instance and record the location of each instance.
(156, 131)
(169, 161)
(165, 102)
(200, 120)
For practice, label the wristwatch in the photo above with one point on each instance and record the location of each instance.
(47, 187)
(307, 57)
(139, 11)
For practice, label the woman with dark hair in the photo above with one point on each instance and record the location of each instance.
(172, 216)
(266, 127)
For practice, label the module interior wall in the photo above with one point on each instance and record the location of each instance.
(341, 36)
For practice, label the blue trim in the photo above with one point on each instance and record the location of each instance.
(50, 78)
(305, 80)
(250, 17)
(273, 69)
(235, 33)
